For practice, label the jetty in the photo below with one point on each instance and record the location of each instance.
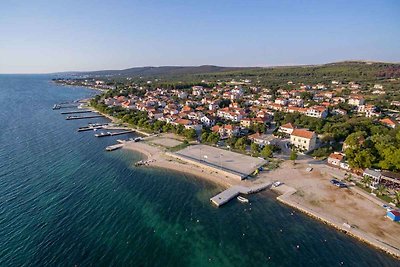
(114, 147)
(93, 126)
(76, 112)
(232, 192)
(84, 117)
(113, 134)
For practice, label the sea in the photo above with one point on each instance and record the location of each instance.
(65, 201)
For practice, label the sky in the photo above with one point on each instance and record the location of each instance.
(51, 35)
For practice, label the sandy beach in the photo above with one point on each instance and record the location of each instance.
(160, 160)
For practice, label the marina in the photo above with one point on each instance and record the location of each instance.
(234, 191)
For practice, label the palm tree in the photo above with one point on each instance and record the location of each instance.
(381, 190)
(366, 180)
(397, 197)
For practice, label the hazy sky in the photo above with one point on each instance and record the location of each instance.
(49, 36)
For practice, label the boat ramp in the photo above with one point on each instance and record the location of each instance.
(232, 192)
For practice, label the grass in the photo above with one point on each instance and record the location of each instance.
(178, 147)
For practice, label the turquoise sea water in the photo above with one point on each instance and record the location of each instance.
(64, 201)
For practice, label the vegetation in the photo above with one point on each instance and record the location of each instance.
(381, 150)
(293, 155)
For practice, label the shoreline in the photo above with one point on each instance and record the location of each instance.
(163, 161)
(354, 233)
(284, 192)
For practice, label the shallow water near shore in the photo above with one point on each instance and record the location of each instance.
(65, 201)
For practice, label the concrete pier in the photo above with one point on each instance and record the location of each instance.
(76, 112)
(85, 117)
(114, 147)
(232, 192)
(112, 134)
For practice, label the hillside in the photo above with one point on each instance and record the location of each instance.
(163, 71)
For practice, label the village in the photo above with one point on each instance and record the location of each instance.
(242, 117)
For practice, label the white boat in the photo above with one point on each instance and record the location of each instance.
(277, 183)
(242, 199)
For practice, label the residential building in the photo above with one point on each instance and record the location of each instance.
(303, 140)
(335, 159)
(388, 122)
(374, 175)
(287, 128)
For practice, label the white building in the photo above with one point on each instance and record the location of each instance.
(303, 140)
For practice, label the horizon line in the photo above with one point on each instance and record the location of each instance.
(188, 66)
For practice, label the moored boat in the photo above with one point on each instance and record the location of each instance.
(242, 199)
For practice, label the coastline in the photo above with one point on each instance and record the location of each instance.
(285, 194)
(284, 198)
(159, 159)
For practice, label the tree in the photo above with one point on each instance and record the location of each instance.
(381, 190)
(213, 138)
(366, 180)
(266, 152)
(293, 155)
(255, 148)
(397, 198)
(190, 133)
(363, 159)
(204, 137)
(241, 144)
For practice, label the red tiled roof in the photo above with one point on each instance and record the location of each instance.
(387, 121)
(303, 133)
(288, 125)
(336, 156)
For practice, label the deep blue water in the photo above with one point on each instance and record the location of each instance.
(64, 201)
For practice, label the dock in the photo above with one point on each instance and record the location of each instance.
(67, 106)
(113, 134)
(232, 192)
(82, 118)
(76, 112)
(114, 147)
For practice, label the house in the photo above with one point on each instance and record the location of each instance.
(286, 128)
(317, 112)
(225, 131)
(338, 111)
(356, 100)
(262, 139)
(246, 122)
(390, 179)
(388, 122)
(335, 159)
(374, 175)
(303, 140)
(207, 120)
(394, 215)
(281, 101)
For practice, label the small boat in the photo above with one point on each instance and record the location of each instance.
(242, 199)
(277, 183)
